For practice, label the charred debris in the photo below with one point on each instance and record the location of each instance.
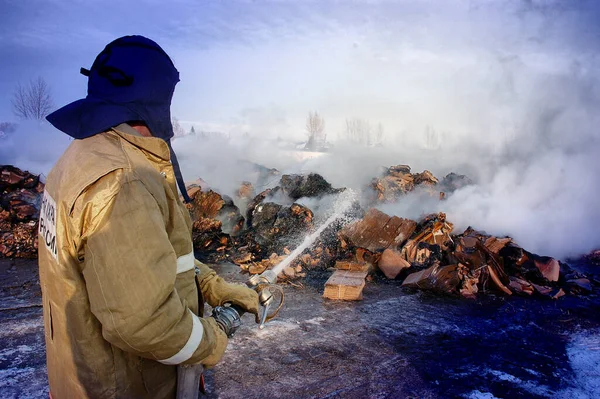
(424, 254)
(257, 229)
(20, 202)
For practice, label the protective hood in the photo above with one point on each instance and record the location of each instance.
(132, 79)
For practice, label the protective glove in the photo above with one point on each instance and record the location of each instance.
(213, 344)
(217, 292)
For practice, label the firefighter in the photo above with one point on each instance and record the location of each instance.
(117, 268)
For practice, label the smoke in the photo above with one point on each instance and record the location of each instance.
(505, 92)
(224, 163)
(33, 146)
(537, 183)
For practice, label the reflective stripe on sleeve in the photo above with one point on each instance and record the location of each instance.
(185, 263)
(190, 346)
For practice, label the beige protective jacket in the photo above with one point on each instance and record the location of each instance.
(117, 271)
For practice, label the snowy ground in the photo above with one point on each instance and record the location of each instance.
(393, 344)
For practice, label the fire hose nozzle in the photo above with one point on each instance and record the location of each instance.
(261, 283)
(267, 277)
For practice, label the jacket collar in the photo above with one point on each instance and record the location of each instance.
(154, 145)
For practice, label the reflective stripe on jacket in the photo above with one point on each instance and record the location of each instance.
(117, 271)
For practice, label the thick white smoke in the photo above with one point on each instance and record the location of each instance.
(505, 92)
(33, 146)
(539, 185)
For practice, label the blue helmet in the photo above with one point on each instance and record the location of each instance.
(132, 79)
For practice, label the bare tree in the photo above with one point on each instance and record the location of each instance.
(379, 134)
(315, 127)
(177, 129)
(32, 101)
(432, 139)
(359, 131)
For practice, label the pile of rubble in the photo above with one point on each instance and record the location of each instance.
(422, 254)
(258, 231)
(426, 255)
(397, 181)
(20, 201)
(273, 221)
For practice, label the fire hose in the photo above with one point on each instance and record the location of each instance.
(190, 380)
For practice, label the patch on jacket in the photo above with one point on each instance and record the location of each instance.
(47, 226)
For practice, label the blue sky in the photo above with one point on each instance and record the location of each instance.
(260, 66)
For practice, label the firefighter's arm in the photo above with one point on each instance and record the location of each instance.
(130, 270)
(217, 291)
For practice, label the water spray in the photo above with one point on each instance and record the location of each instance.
(229, 317)
(343, 202)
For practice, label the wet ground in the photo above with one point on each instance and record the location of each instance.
(393, 344)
